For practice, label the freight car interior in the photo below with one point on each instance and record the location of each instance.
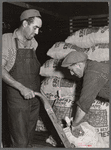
(60, 19)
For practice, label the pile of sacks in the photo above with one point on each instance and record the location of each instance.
(59, 91)
(59, 86)
(61, 95)
(92, 41)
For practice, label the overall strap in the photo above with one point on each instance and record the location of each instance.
(16, 42)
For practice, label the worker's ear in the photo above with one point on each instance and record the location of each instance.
(25, 23)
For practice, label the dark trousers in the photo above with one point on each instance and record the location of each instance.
(22, 121)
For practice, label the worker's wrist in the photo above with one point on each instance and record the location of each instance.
(19, 86)
(74, 124)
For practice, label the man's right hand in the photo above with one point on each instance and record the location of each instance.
(26, 92)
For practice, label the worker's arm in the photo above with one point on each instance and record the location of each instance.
(8, 79)
(95, 78)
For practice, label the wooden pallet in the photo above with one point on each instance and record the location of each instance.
(53, 118)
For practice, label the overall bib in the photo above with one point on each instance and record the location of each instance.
(23, 114)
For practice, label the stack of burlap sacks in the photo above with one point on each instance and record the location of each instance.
(60, 87)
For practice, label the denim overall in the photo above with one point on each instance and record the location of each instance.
(23, 114)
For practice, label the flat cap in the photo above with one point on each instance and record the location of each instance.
(29, 13)
(74, 57)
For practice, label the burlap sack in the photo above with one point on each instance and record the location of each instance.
(61, 95)
(88, 37)
(60, 49)
(54, 87)
(52, 68)
(85, 136)
(98, 117)
(98, 52)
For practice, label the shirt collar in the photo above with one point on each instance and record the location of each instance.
(14, 35)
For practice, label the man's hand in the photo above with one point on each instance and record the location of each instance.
(77, 131)
(26, 92)
(75, 128)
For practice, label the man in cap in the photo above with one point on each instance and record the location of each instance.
(95, 81)
(20, 72)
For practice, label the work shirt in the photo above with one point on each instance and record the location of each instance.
(95, 82)
(9, 48)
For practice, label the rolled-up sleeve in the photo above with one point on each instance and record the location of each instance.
(8, 50)
(5, 45)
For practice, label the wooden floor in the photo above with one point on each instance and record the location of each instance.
(41, 136)
(40, 139)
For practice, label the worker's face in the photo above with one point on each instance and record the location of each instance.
(31, 30)
(77, 69)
